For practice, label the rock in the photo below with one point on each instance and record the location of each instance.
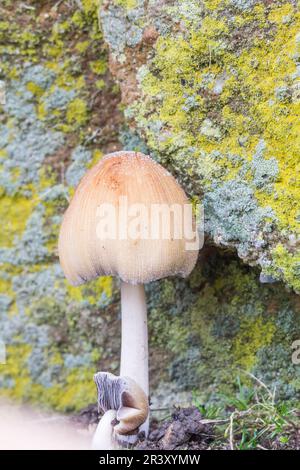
(200, 90)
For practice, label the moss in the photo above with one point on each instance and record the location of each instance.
(164, 329)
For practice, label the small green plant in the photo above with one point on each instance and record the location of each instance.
(208, 411)
(252, 418)
(243, 398)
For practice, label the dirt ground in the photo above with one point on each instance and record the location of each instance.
(186, 429)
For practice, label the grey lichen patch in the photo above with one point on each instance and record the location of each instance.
(80, 157)
(232, 214)
(243, 4)
(121, 27)
(23, 137)
(265, 171)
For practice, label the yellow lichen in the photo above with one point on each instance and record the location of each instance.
(99, 67)
(15, 212)
(127, 4)
(77, 112)
(254, 334)
(91, 291)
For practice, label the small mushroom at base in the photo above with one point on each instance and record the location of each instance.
(126, 398)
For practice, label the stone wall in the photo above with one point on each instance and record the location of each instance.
(211, 90)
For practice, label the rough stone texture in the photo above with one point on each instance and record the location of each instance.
(59, 114)
(211, 90)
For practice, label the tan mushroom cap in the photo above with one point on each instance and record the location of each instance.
(85, 254)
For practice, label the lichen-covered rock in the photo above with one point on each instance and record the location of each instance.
(197, 96)
(221, 323)
(58, 115)
(213, 89)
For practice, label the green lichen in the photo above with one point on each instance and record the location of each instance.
(289, 262)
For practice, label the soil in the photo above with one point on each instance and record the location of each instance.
(185, 429)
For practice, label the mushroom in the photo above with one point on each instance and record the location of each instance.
(103, 438)
(126, 399)
(128, 219)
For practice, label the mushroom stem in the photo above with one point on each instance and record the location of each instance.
(134, 349)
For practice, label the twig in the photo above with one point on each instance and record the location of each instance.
(27, 7)
(214, 421)
(231, 441)
(57, 4)
(261, 447)
(93, 136)
(272, 396)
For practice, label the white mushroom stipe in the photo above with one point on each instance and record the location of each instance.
(134, 347)
(104, 435)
